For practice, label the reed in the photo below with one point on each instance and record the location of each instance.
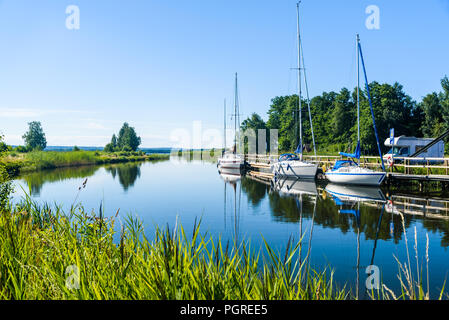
(39, 245)
(411, 283)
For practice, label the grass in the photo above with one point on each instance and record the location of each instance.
(45, 254)
(41, 160)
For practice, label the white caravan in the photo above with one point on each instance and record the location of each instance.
(406, 146)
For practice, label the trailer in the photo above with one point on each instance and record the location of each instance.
(411, 146)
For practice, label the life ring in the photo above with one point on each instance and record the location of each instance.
(390, 161)
(390, 206)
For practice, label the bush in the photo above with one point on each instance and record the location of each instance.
(22, 149)
(3, 147)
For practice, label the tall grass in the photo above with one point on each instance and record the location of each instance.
(413, 285)
(39, 245)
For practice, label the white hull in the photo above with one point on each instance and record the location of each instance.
(357, 178)
(230, 161)
(294, 169)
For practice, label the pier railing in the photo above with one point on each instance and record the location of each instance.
(418, 166)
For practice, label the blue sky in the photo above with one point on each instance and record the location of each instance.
(161, 65)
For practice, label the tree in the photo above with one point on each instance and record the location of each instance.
(344, 116)
(433, 114)
(35, 137)
(251, 126)
(114, 141)
(127, 138)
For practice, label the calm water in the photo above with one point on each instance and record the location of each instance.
(344, 228)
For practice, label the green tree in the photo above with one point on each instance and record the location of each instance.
(444, 98)
(35, 137)
(343, 116)
(127, 138)
(392, 109)
(250, 127)
(112, 146)
(433, 113)
(114, 141)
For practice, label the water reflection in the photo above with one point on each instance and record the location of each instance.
(348, 200)
(36, 180)
(232, 178)
(127, 173)
(304, 194)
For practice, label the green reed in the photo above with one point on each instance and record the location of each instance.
(38, 244)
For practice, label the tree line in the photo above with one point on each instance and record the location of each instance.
(334, 118)
(35, 140)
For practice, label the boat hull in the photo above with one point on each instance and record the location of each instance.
(295, 169)
(364, 179)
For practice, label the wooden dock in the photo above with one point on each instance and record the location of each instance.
(404, 169)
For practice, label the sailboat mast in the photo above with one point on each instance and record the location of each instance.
(224, 137)
(358, 94)
(235, 112)
(299, 80)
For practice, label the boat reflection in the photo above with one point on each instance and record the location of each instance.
(302, 191)
(233, 178)
(294, 187)
(348, 200)
(230, 175)
(355, 193)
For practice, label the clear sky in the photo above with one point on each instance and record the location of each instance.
(161, 65)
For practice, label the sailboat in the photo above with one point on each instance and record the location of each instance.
(231, 162)
(349, 171)
(290, 164)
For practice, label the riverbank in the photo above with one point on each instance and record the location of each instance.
(18, 163)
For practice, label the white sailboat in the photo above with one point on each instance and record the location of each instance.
(231, 162)
(290, 164)
(349, 171)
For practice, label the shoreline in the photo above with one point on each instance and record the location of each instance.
(47, 160)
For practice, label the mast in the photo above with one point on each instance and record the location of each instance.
(358, 85)
(236, 102)
(371, 106)
(299, 80)
(224, 140)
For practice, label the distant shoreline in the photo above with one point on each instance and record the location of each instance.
(19, 163)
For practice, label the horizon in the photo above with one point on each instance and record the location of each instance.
(165, 66)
